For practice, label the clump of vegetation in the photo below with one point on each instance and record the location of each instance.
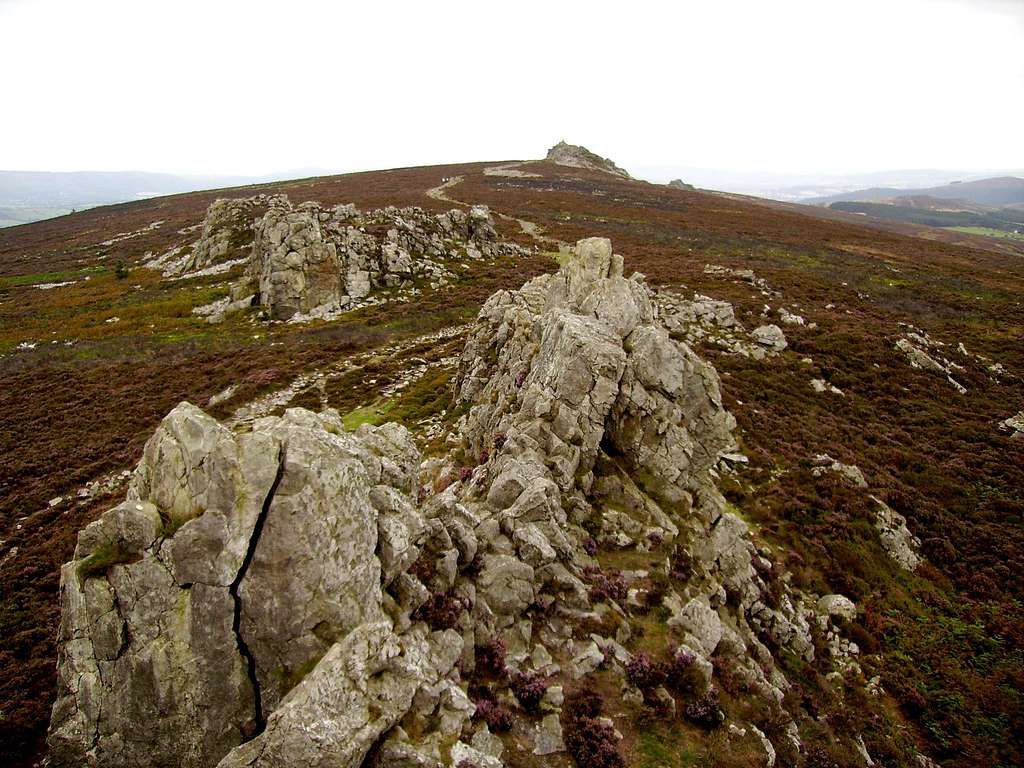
(606, 586)
(490, 657)
(644, 673)
(424, 568)
(705, 711)
(102, 559)
(529, 688)
(441, 611)
(497, 716)
(683, 675)
(590, 742)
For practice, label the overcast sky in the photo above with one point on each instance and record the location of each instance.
(251, 87)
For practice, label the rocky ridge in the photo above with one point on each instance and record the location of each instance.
(295, 594)
(575, 156)
(305, 261)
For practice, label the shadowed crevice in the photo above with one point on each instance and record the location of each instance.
(243, 648)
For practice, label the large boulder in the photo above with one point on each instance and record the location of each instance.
(235, 565)
(361, 688)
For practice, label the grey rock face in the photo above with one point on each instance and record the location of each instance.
(307, 258)
(839, 606)
(227, 227)
(360, 689)
(1014, 425)
(897, 540)
(578, 361)
(576, 156)
(227, 233)
(236, 564)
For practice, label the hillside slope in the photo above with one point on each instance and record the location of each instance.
(97, 349)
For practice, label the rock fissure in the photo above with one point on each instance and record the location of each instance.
(236, 622)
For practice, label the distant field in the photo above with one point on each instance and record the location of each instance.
(963, 221)
(10, 217)
(988, 232)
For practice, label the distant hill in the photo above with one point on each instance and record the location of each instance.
(33, 195)
(1000, 191)
(927, 202)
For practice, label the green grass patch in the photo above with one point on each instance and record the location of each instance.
(661, 748)
(988, 232)
(99, 562)
(370, 414)
(44, 277)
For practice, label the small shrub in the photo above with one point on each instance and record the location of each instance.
(499, 441)
(606, 586)
(424, 568)
(590, 742)
(497, 716)
(683, 675)
(441, 611)
(121, 271)
(590, 546)
(485, 455)
(656, 592)
(465, 473)
(585, 702)
(705, 711)
(644, 673)
(682, 567)
(529, 689)
(490, 657)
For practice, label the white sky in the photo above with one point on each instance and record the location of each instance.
(252, 87)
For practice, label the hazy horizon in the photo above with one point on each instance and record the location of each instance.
(244, 89)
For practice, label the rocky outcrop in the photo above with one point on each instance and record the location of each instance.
(587, 409)
(897, 540)
(704, 320)
(307, 258)
(924, 353)
(577, 363)
(680, 184)
(1014, 425)
(225, 238)
(235, 565)
(361, 688)
(575, 156)
(293, 594)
